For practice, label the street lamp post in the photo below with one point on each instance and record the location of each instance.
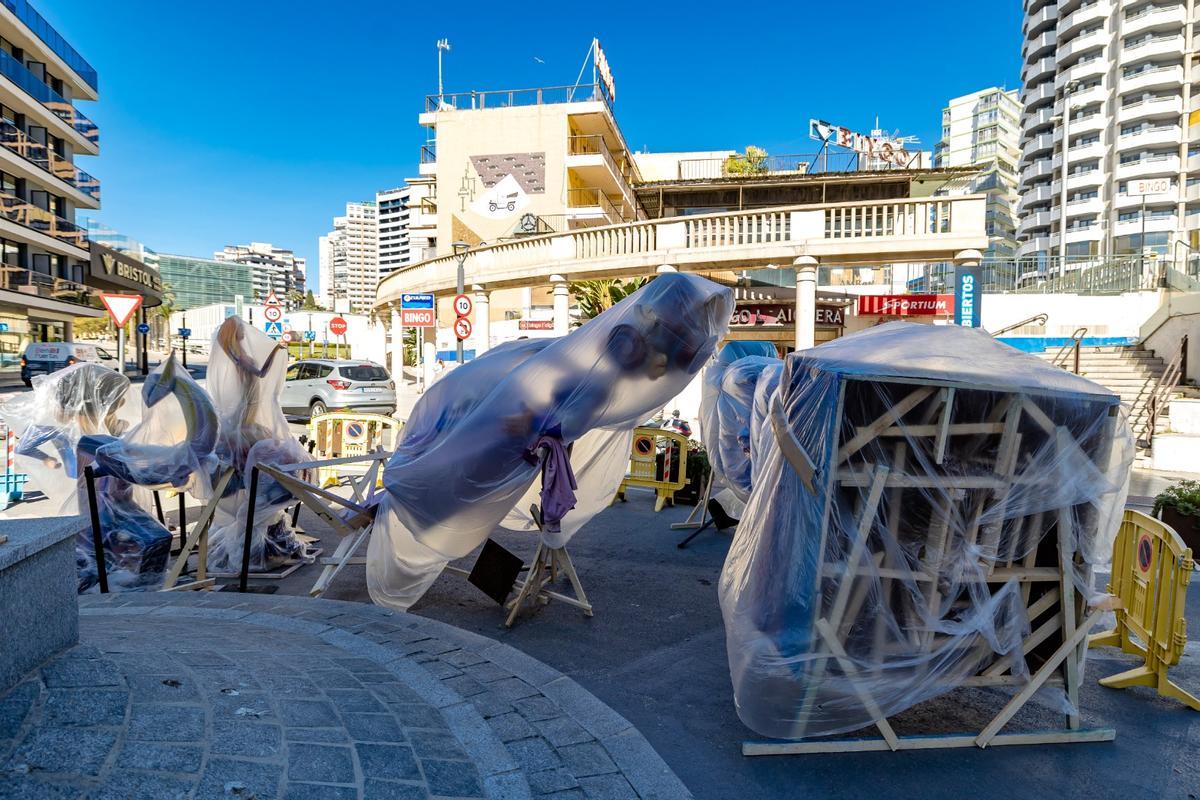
(460, 253)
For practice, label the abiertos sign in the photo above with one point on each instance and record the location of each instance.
(906, 305)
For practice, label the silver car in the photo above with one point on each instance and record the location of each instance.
(314, 386)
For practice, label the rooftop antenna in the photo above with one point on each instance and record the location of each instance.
(442, 44)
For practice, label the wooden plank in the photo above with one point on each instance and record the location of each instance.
(781, 748)
(199, 530)
(333, 462)
(860, 689)
(1022, 697)
(939, 443)
(888, 418)
(952, 429)
(858, 478)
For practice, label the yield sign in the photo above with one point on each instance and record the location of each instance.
(121, 306)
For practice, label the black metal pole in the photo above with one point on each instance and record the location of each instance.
(245, 575)
(97, 539)
(185, 352)
(158, 508)
(145, 339)
(182, 516)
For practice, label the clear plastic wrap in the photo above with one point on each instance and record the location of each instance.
(245, 378)
(726, 406)
(466, 457)
(923, 498)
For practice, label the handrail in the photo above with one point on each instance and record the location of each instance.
(1163, 388)
(1040, 319)
(1070, 349)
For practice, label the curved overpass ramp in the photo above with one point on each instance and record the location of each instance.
(877, 232)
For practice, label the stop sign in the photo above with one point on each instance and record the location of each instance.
(337, 326)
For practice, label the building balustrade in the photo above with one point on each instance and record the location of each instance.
(42, 156)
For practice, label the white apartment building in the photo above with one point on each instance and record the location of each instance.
(407, 224)
(982, 129)
(349, 259)
(273, 269)
(1122, 64)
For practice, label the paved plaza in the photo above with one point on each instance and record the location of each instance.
(247, 696)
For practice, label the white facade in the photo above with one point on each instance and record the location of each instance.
(981, 129)
(1123, 64)
(204, 321)
(407, 224)
(350, 256)
(274, 268)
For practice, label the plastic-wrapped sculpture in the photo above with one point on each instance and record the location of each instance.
(467, 458)
(726, 406)
(65, 423)
(927, 507)
(245, 378)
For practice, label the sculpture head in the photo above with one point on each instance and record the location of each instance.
(161, 384)
(672, 324)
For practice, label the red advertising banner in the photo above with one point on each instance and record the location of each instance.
(906, 305)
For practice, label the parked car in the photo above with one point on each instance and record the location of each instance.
(42, 358)
(316, 385)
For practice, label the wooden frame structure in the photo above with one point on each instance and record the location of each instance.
(892, 446)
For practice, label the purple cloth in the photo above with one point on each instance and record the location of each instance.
(558, 483)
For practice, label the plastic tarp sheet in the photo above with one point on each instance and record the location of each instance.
(726, 409)
(895, 470)
(465, 460)
(245, 378)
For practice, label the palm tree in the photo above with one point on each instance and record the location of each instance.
(594, 297)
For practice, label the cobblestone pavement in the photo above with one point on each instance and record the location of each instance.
(245, 696)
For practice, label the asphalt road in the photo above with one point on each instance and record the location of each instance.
(655, 652)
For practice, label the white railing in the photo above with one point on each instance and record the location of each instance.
(870, 230)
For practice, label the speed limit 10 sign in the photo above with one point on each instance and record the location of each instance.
(462, 305)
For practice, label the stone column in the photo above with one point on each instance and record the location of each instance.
(562, 305)
(397, 341)
(428, 358)
(483, 319)
(665, 268)
(806, 301)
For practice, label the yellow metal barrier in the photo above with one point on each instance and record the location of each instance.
(1151, 569)
(644, 467)
(340, 434)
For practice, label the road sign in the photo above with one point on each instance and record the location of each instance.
(121, 306)
(310, 335)
(185, 332)
(143, 328)
(354, 431)
(416, 317)
(273, 313)
(272, 299)
(462, 328)
(273, 329)
(416, 301)
(3, 327)
(462, 305)
(338, 326)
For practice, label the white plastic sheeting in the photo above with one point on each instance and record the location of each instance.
(245, 378)
(901, 475)
(465, 460)
(726, 408)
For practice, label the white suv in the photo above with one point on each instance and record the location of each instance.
(314, 386)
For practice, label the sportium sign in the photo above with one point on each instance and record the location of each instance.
(906, 305)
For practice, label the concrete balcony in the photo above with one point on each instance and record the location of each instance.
(1042, 143)
(1035, 23)
(1088, 234)
(1148, 109)
(1038, 69)
(1091, 67)
(1159, 46)
(1084, 208)
(1042, 93)
(1039, 46)
(1124, 201)
(1039, 219)
(1042, 168)
(1157, 166)
(1083, 43)
(1037, 194)
(1082, 152)
(1152, 137)
(1134, 226)
(1037, 244)
(1035, 119)
(1090, 97)
(1153, 79)
(843, 233)
(1154, 17)
(1069, 23)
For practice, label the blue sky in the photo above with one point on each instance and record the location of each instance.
(230, 121)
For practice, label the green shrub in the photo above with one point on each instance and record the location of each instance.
(1184, 497)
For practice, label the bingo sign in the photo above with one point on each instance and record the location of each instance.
(416, 310)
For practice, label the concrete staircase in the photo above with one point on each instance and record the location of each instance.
(1131, 372)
